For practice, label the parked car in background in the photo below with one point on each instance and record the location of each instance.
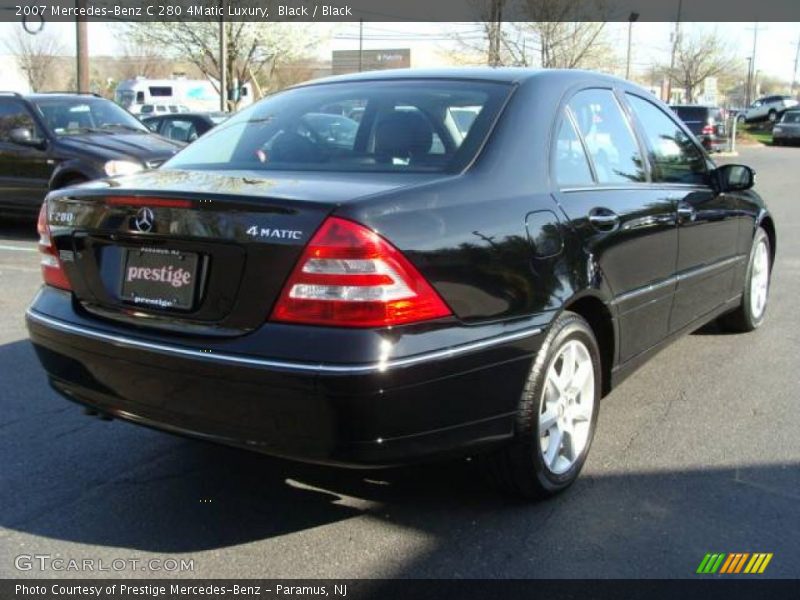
(768, 108)
(184, 127)
(787, 130)
(707, 123)
(49, 141)
(382, 298)
(159, 109)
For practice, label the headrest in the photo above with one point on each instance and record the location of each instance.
(403, 135)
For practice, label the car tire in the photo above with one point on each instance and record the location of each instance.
(749, 315)
(772, 116)
(554, 412)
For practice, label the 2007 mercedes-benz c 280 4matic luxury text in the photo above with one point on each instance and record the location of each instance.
(385, 267)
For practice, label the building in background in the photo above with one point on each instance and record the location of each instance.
(353, 61)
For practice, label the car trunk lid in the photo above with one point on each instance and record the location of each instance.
(195, 252)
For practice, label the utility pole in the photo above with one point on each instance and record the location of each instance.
(747, 85)
(82, 49)
(796, 60)
(632, 18)
(495, 31)
(223, 63)
(676, 40)
(751, 75)
(360, 45)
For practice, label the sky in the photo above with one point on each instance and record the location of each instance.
(775, 51)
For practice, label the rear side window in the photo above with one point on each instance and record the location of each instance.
(675, 158)
(609, 139)
(571, 164)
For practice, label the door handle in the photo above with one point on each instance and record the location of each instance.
(603, 219)
(686, 212)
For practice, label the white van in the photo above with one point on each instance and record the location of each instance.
(195, 94)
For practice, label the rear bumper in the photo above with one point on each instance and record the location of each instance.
(713, 143)
(391, 410)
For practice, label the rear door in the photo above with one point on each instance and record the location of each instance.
(628, 227)
(708, 223)
(24, 170)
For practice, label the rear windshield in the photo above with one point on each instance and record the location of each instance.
(415, 126)
(692, 113)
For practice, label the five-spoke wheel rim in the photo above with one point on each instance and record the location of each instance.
(565, 414)
(759, 280)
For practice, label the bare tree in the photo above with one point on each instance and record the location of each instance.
(699, 56)
(547, 33)
(36, 56)
(143, 60)
(252, 47)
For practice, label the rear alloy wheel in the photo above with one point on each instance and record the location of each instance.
(557, 414)
(772, 116)
(750, 313)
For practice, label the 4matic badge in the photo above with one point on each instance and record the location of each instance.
(271, 233)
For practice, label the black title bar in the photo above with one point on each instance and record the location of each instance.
(400, 10)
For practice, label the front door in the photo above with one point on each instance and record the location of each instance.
(628, 226)
(24, 169)
(708, 225)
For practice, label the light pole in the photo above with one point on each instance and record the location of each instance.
(632, 18)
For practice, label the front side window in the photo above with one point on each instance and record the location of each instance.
(180, 130)
(609, 139)
(402, 126)
(674, 156)
(571, 164)
(14, 116)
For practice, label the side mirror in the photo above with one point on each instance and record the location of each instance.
(24, 137)
(736, 178)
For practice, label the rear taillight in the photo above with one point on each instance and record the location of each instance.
(708, 129)
(349, 276)
(52, 269)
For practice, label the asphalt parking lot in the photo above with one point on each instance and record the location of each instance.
(698, 452)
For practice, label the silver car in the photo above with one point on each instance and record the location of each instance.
(787, 130)
(768, 108)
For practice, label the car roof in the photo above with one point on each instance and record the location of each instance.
(182, 114)
(694, 106)
(60, 95)
(508, 75)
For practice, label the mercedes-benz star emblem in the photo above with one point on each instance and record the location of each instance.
(144, 220)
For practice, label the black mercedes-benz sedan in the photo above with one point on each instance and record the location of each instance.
(410, 286)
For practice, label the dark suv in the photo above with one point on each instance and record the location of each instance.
(49, 141)
(707, 123)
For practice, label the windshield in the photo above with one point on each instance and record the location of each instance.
(791, 117)
(399, 126)
(77, 115)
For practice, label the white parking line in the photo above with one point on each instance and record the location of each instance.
(17, 248)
